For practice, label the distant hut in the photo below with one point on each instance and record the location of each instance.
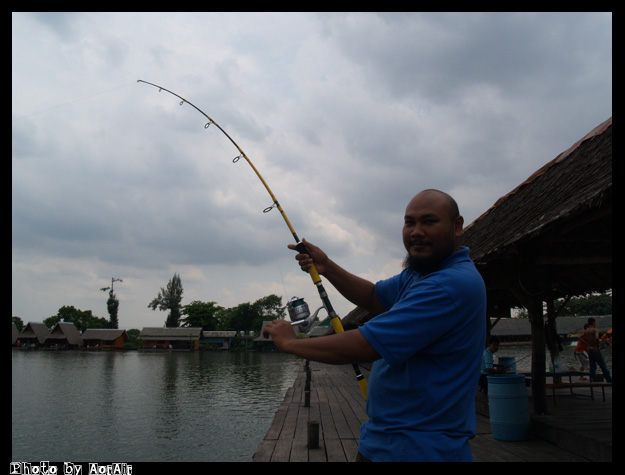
(64, 335)
(34, 335)
(262, 343)
(218, 340)
(104, 338)
(354, 319)
(186, 338)
(15, 334)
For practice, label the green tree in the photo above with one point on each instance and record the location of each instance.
(133, 334)
(202, 314)
(271, 307)
(169, 299)
(591, 304)
(19, 324)
(243, 317)
(82, 319)
(250, 316)
(112, 305)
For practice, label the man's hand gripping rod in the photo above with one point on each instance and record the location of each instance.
(335, 320)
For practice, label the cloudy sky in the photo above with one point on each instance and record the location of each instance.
(346, 116)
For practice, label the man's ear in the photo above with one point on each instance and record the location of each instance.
(458, 226)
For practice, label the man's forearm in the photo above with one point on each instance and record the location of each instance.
(341, 348)
(357, 290)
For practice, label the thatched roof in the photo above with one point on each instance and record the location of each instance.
(219, 334)
(553, 233)
(171, 334)
(260, 337)
(357, 317)
(65, 331)
(35, 330)
(15, 333)
(104, 334)
(566, 325)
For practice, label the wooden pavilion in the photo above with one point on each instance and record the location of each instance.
(549, 238)
(185, 338)
(64, 335)
(34, 335)
(104, 338)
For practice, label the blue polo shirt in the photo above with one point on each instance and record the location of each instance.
(421, 393)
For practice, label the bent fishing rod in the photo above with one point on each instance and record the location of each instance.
(335, 320)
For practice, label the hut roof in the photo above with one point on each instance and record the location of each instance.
(35, 330)
(566, 325)
(260, 337)
(15, 333)
(219, 334)
(65, 331)
(104, 334)
(172, 334)
(554, 231)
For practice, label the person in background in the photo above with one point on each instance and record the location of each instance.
(581, 353)
(591, 338)
(488, 364)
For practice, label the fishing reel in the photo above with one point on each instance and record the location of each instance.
(300, 314)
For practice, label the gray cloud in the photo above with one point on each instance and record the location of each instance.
(346, 115)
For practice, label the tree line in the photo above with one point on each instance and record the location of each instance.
(210, 316)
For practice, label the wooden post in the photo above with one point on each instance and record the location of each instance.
(533, 302)
(307, 385)
(313, 435)
(534, 307)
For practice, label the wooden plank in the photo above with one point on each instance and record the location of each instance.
(334, 451)
(318, 455)
(484, 449)
(325, 416)
(340, 423)
(265, 451)
(299, 451)
(282, 450)
(276, 425)
(350, 448)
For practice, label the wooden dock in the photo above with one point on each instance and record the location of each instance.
(576, 430)
(336, 403)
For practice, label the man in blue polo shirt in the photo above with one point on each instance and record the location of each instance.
(427, 339)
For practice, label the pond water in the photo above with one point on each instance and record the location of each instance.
(146, 406)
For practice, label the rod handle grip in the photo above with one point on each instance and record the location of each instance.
(314, 275)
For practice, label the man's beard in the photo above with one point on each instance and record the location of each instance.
(426, 265)
(421, 266)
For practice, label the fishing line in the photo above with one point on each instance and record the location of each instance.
(335, 320)
(70, 102)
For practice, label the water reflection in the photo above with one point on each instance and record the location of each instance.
(145, 406)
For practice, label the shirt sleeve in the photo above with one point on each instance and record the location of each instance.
(422, 315)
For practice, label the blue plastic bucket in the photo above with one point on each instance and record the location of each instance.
(508, 406)
(508, 363)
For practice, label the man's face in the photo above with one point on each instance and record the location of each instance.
(430, 234)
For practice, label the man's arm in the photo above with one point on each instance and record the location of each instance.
(341, 348)
(357, 290)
